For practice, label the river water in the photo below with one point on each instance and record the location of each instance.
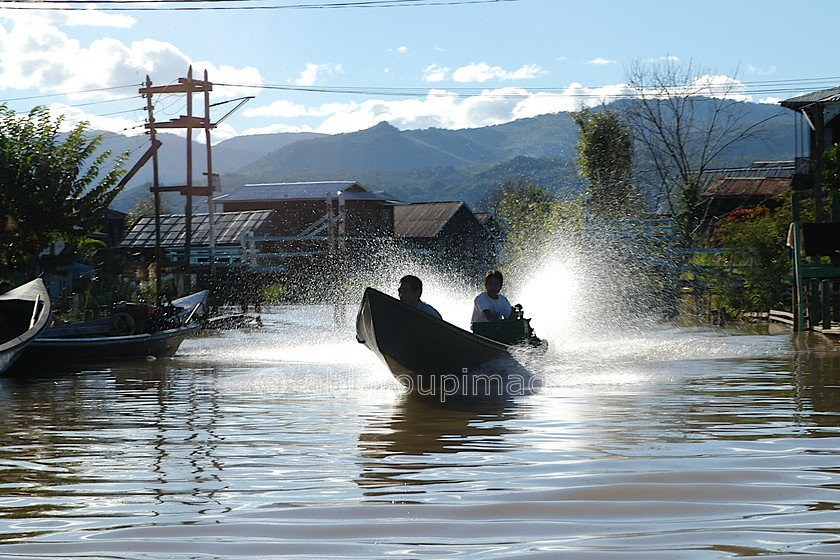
(648, 440)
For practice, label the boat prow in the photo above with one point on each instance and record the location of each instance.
(24, 313)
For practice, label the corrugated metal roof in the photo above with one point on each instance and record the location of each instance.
(758, 169)
(831, 95)
(749, 186)
(267, 192)
(423, 219)
(229, 228)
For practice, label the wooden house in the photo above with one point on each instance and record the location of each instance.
(231, 230)
(308, 235)
(448, 232)
(747, 187)
(821, 111)
(493, 225)
(301, 206)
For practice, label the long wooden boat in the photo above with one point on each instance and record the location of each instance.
(431, 357)
(24, 313)
(133, 331)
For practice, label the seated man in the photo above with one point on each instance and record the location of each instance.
(490, 305)
(410, 290)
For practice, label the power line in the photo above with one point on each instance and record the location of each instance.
(750, 88)
(788, 87)
(190, 5)
(103, 101)
(61, 94)
(88, 2)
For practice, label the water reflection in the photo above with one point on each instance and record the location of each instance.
(137, 438)
(261, 445)
(410, 447)
(816, 378)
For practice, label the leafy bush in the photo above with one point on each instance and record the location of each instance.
(756, 252)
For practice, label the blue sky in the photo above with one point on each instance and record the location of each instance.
(415, 63)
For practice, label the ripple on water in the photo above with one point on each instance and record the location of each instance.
(291, 442)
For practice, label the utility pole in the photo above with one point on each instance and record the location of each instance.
(188, 208)
(189, 122)
(211, 185)
(155, 187)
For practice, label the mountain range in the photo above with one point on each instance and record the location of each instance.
(413, 165)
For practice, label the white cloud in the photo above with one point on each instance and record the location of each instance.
(527, 72)
(439, 108)
(570, 99)
(445, 109)
(287, 109)
(130, 125)
(482, 72)
(449, 110)
(75, 115)
(601, 61)
(761, 71)
(275, 128)
(34, 54)
(313, 73)
(667, 58)
(281, 108)
(65, 14)
(718, 86)
(435, 73)
(402, 50)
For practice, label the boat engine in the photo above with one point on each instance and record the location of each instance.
(130, 318)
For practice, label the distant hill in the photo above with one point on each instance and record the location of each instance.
(232, 154)
(228, 156)
(414, 165)
(432, 164)
(385, 147)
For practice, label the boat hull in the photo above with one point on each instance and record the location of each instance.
(24, 313)
(61, 347)
(161, 344)
(429, 356)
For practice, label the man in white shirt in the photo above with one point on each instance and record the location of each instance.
(490, 305)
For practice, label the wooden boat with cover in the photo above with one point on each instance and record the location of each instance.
(24, 313)
(432, 357)
(132, 331)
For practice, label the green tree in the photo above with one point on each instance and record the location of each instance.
(605, 157)
(531, 215)
(53, 186)
(685, 120)
(831, 170)
(755, 243)
(526, 211)
(145, 206)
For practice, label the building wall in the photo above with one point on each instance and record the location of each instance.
(463, 246)
(467, 240)
(364, 217)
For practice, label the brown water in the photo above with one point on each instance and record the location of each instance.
(292, 441)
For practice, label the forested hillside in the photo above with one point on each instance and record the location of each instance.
(414, 165)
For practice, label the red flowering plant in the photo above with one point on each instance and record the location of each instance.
(754, 240)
